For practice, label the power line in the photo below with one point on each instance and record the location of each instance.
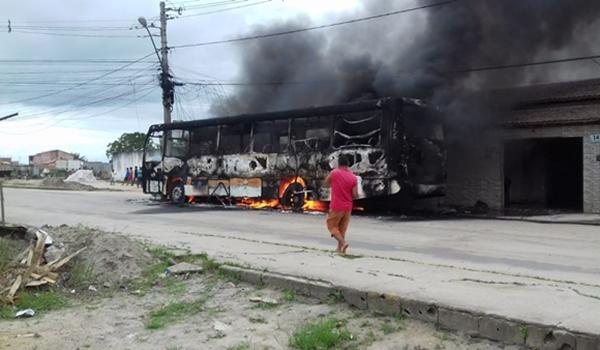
(81, 84)
(58, 111)
(57, 83)
(68, 60)
(73, 35)
(208, 4)
(528, 64)
(214, 4)
(406, 71)
(85, 117)
(294, 31)
(72, 71)
(72, 21)
(225, 9)
(123, 82)
(71, 28)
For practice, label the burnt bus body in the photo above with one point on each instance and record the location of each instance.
(395, 146)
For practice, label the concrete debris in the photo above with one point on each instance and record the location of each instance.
(264, 300)
(81, 176)
(220, 327)
(183, 268)
(25, 313)
(92, 288)
(54, 253)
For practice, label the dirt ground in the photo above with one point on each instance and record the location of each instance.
(50, 183)
(142, 308)
(117, 322)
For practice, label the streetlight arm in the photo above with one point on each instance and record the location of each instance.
(153, 44)
(9, 116)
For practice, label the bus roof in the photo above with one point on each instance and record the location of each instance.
(291, 114)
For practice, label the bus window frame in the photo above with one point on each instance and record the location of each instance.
(168, 149)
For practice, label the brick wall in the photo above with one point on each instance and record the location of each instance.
(475, 169)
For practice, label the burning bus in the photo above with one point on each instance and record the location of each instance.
(280, 159)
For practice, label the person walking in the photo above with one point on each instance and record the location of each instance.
(138, 176)
(343, 184)
(131, 176)
(126, 176)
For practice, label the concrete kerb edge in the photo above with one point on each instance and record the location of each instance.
(474, 324)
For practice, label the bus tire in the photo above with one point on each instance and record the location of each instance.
(178, 194)
(291, 200)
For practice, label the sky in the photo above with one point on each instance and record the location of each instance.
(70, 105)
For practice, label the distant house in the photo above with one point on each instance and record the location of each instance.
(55, 159)
(6, 167)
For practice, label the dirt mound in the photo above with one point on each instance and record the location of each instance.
(113, 257)
(57, 183)
(81, 176)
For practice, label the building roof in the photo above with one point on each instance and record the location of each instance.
(54, 150)
(555, 104)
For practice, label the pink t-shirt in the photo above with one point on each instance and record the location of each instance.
(342, 183)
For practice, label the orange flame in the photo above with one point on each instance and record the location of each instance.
(309, 205)
(258, 203)
(286, 181)
(315, 206)
(191, 199)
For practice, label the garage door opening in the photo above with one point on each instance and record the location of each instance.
(544, 174)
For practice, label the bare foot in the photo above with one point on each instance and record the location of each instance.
(344, 248)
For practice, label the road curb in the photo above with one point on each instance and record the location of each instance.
(476, 324)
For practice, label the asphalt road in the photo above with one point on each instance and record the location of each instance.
(557, 251)
(540, 273)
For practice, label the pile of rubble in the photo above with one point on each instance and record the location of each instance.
(54, 183)
(35, 266)
(81, 176)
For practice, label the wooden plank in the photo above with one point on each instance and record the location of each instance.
(15, 287)
(36, 283)
(49, 280)
(29, 260)
(59, 264)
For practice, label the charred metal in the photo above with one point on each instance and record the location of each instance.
(395, 145)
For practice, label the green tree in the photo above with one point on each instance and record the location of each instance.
(78, 156)
(128, 142)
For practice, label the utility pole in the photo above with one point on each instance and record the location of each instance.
(165, 78)
(168, 95)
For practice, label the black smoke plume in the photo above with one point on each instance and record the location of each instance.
(419, 54)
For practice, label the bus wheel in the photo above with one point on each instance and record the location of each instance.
(292, 200)
(178, 194)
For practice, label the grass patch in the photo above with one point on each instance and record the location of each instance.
(351, 257)
(8, 250)
(39, 302)
(258, 319)
(82, 275)
(229, 276)
(327, 334)
(5, 255)
(173, 312)
(288, 295)
(241, 346)
(389, 328)
(174, 287)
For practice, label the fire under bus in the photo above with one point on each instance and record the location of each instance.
(280, 159)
